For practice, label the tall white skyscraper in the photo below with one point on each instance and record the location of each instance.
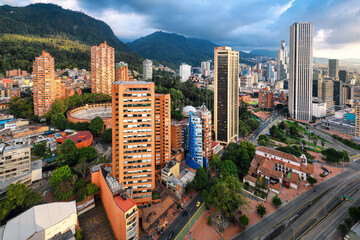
(185, 72)
(282, 62)
(147, 69)
(301, 70)
(205, 68)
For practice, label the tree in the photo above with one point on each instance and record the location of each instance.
(260, 209)
(226, 195)
(354, 212)
(263, 140)
(348, 222)
(81, 194)
(92, 188)
(88, 153)
(241, 155)
(228, 168)
(96, 125)
(332, 155)
(81, 167)
(39, 149)
(64, 190)
(59, 175)
(201, 178)
(215, 162)
(244, 220)
(342, 228)
(276, 201)
(68, 153)
(311, 180)
(59, 121)
(322, 143)
(106, 136)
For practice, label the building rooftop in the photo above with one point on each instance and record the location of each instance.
(130, 82)
(278, 153)
(37, 219)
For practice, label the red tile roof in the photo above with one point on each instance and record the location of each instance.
(278, 154)
(125, 205)
(214, 144)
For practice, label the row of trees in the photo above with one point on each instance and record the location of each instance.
(247, 124)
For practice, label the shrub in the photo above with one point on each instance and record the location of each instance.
(92, 188)
(260, 209)
(209, 221)
(244, 220)
(276, 201)
(354, 212)
(79, 184)
(348, 221)
(342, 228)
(311, 180)
(81, 194)
(79, 234)
(322, 175)
(178, 205)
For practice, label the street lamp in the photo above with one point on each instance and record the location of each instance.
(294, 230)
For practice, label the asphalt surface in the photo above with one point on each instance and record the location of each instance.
(264, 126)
(180, 221)
(334, 184)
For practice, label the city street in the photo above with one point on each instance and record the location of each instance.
(264, 127)
(269, 223)
(177, 225)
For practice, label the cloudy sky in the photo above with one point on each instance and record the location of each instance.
(241, 24)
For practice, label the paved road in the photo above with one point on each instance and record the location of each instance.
(269, 221)
(326, 229)
(177, 225)
(273, 119)
(335, 143)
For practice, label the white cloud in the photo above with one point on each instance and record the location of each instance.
(126, 25)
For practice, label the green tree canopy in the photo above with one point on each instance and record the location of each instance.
(81, 167)
(106, 136)
(261, 209)
(244, 220)
(40, 149)
(96, 125)
(88, 153)
(201, 179)
(21, 107)
(228, 168)
(59, 175)
(92, 188)
(68, 153)
(332, 155)
(226, 195)
(276, 201)
(354, 212)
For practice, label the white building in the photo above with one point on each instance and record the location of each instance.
(205, 68)
(282, 62)
(318, 109)
(43, 222)
(301, 71)
(147, 69)
(185, 72)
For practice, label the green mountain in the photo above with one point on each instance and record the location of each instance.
(177, 49)
(264, 52)
(67, 35)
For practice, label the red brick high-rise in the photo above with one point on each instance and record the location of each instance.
(266, 99)
(44, 85)
(102, 68)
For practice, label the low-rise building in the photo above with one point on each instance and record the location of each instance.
(178, 184)
(278, 167)
(340, 125)
(56, 220)
(80, 138)
(121, 210)
(318, 109)
(172, 168)
(15, 162)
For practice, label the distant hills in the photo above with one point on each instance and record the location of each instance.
(67, 35)
(177, 49)
(264, 52)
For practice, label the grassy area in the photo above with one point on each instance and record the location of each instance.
(190, 223)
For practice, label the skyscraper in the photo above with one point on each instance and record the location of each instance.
(301, 71)
(226, 94)
(199, 138)
(133, 134)
(162, 130)
(338, 92)
(44, 85)
(102, 68)
(121, 72)
(317, 85)
(282, 62)
(147, 70)
(327, 92)
(343, 76)
(185, 72)
(333, 68)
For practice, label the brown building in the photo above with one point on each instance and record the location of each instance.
(176, 136)
(16, 73)
(162, 130)
(120, 209)
(133, 134)
(43, 83)
(266, 99)
(121, 72)
(102, 68)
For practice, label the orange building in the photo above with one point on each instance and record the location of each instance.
(266, 99)
(102, 68)
(162, 130)
(176, 136)
(121, 210)
(205, 116)
(133, 134)
(121, 72)
(16, 73)
(43, 83)
(80, 138)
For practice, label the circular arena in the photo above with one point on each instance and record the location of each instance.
(90, 111)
